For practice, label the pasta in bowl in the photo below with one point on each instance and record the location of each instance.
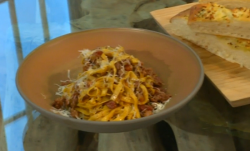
(113, 86)
(110, 77)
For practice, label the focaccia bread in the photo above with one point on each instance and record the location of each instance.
(230, 3)
(232, 49)
(213, 18)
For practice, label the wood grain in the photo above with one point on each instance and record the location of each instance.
(231, 80)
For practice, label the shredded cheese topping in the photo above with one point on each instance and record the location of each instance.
(112, 87)
(215, 12)
(236, 43)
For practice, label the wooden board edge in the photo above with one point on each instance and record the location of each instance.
(238, 103)
(234, 103)
(185, 6)
(155, 14)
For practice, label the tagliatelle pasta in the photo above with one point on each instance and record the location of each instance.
(113, 86)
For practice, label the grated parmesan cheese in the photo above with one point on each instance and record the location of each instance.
(159, 106)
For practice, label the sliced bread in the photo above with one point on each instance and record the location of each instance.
(232, 49)
(212, 18)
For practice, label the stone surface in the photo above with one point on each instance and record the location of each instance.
(44, 134)
(118, 13)
(101, 14)
(142, 139)
(198, 126)
(142, 12)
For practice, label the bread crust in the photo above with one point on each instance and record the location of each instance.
(216, 12)
(230, 3)
(212, 18)
(229, 48)
(183, 14)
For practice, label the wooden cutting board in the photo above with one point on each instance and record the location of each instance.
(230, 79)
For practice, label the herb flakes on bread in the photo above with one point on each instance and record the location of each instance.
(229, 3)
(212, 18)
(232, 49)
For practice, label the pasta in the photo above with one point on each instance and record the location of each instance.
(114, 86)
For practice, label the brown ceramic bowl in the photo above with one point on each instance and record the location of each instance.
(175, 63)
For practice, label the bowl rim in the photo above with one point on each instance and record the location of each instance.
(148, 118)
